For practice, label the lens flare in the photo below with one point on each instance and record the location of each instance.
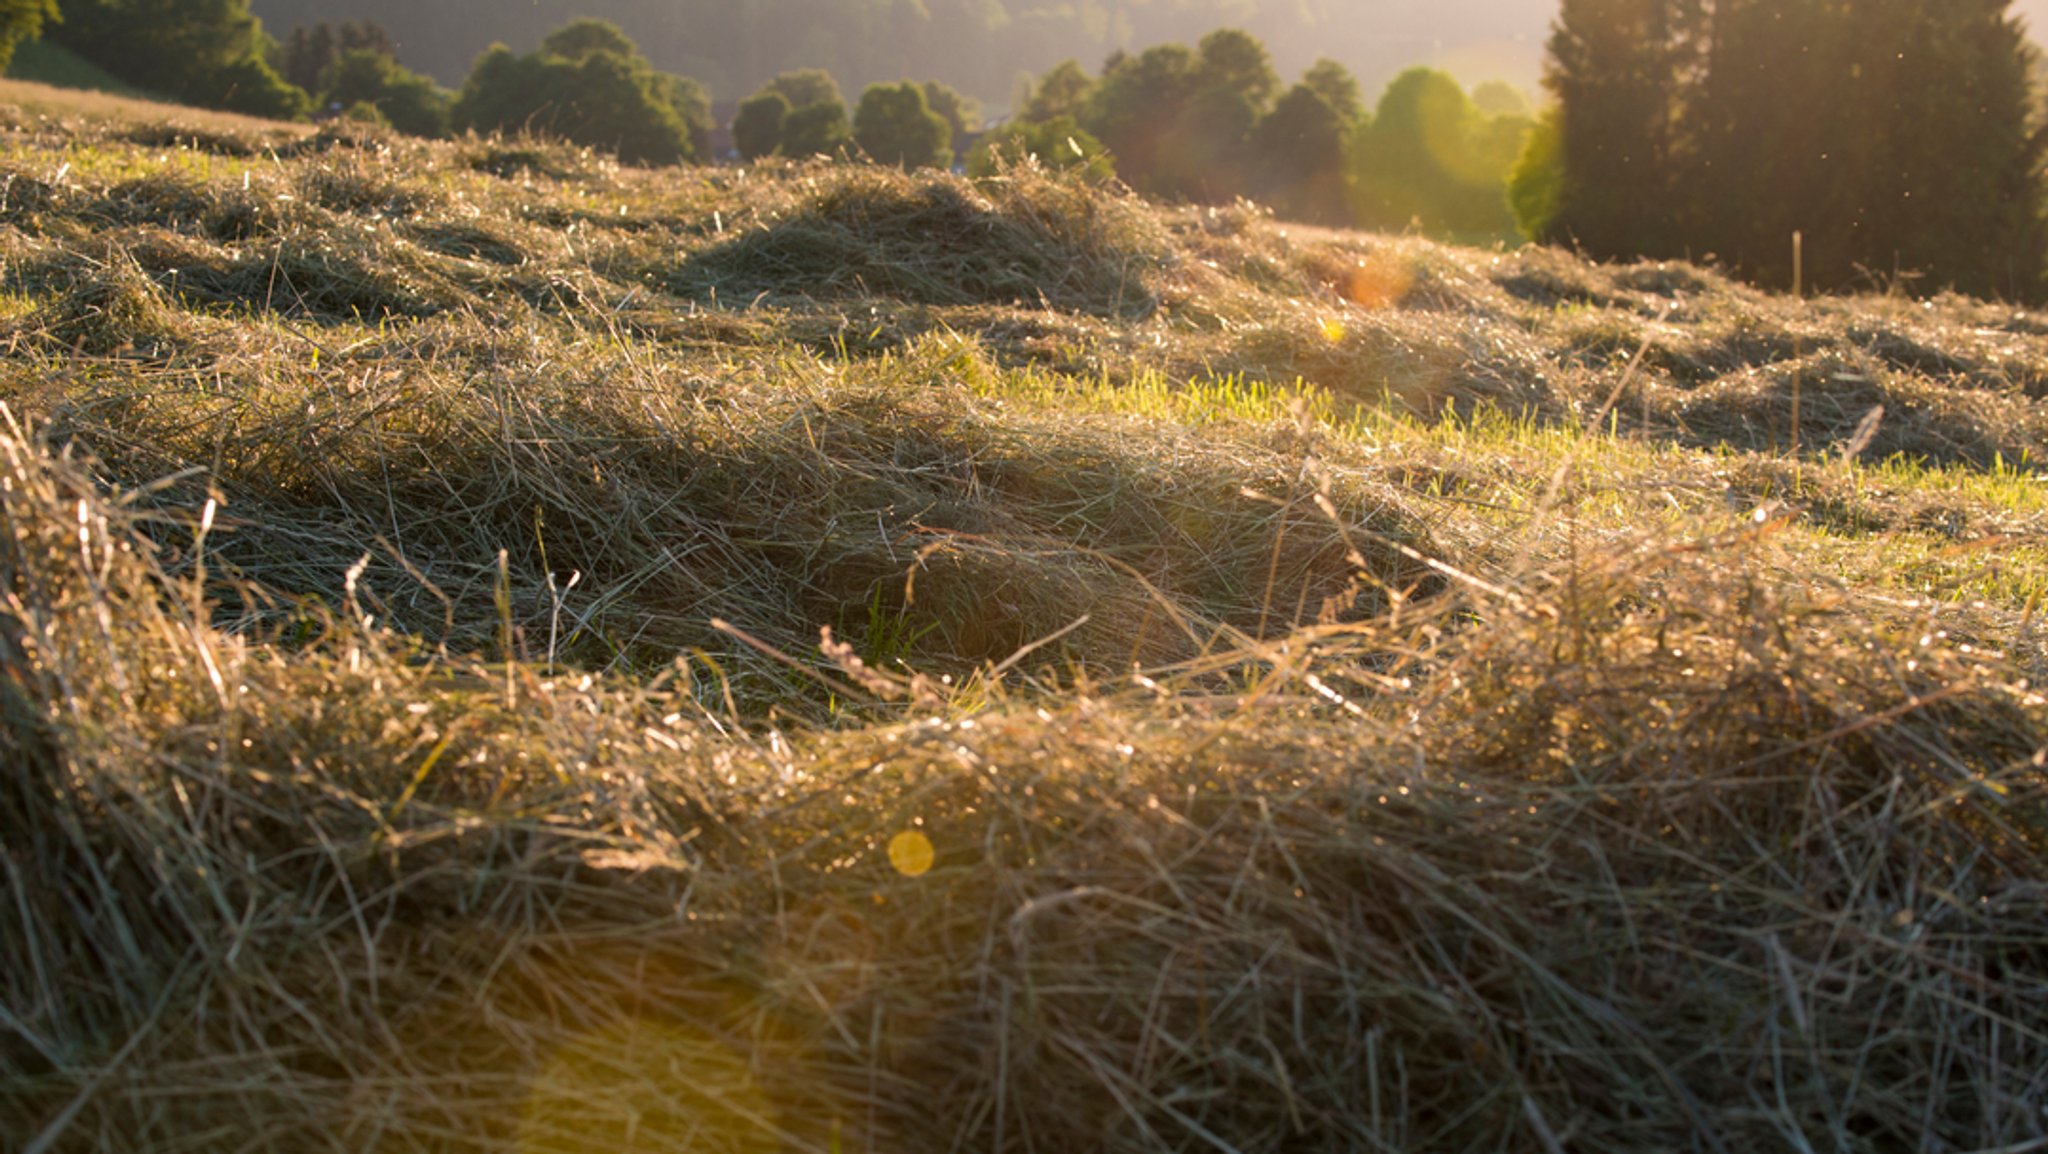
(1378, 282)
(912, 854)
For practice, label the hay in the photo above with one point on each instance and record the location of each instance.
(1023, 239)
(418, 728)
(1661, 857)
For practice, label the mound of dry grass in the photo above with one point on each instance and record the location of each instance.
(1024, 240)
(1661, 856)
(1013, 669)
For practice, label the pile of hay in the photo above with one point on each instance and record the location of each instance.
(504, 653)
(1660, 856)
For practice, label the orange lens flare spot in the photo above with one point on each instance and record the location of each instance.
(912, 854)
(1378, 282)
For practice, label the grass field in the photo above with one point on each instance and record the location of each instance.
(502, 652)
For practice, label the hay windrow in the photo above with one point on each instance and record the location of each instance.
(1013, 669)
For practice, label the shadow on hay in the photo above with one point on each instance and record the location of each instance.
(938, 243)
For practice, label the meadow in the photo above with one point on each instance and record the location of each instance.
(505, 652)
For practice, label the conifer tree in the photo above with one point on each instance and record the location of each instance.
(1615, 70)
(1892, 136)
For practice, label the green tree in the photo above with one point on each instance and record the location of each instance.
(1179, 121)
(589, 85)
(1235, 61)
(206, 52)
(409, 102)
(691, 102)
(1429, 159)
(587, 36)
(1499, 98)
(817, 130)
(1131, 109)
(895, 125)
(1059, 144)
(313, 49)
(757, 126)
(1338, 88)
(1298, 158)
(1537, 179)
(22, 20)
(1062, 92)
(962, 112)
(804, 87)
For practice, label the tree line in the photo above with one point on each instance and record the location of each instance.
(1204, 123)
(980, 47)
(1898, 138)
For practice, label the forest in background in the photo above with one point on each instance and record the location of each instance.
(1800, 143)
(978, 46)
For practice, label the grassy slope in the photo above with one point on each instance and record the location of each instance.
(42, 62)
(421, 737)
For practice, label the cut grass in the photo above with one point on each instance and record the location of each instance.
(1284, 690)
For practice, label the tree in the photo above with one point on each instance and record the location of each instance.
(804, 87)
(1298, 158)
(1062, 92)
(691, 102)
(206, 52)
(1234, 60)
(312, 50)
(1429, 159)
(1537, 179)
(22, 20)
(1894, 136)
(307, 55)
(587, 36)
(1059, 144)
(1615, 70)
(1132, 106)
(588, 84)
(816, 130)
(1338, 88)
(1499, 98)
(757, 126)
(962, 112)
(407, 101)
(894, 125)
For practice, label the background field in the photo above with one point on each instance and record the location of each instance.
(1285, 689)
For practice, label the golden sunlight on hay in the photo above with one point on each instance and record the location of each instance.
(645, 1086)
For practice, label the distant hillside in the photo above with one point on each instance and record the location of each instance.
(980, 46)
(42, 62)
